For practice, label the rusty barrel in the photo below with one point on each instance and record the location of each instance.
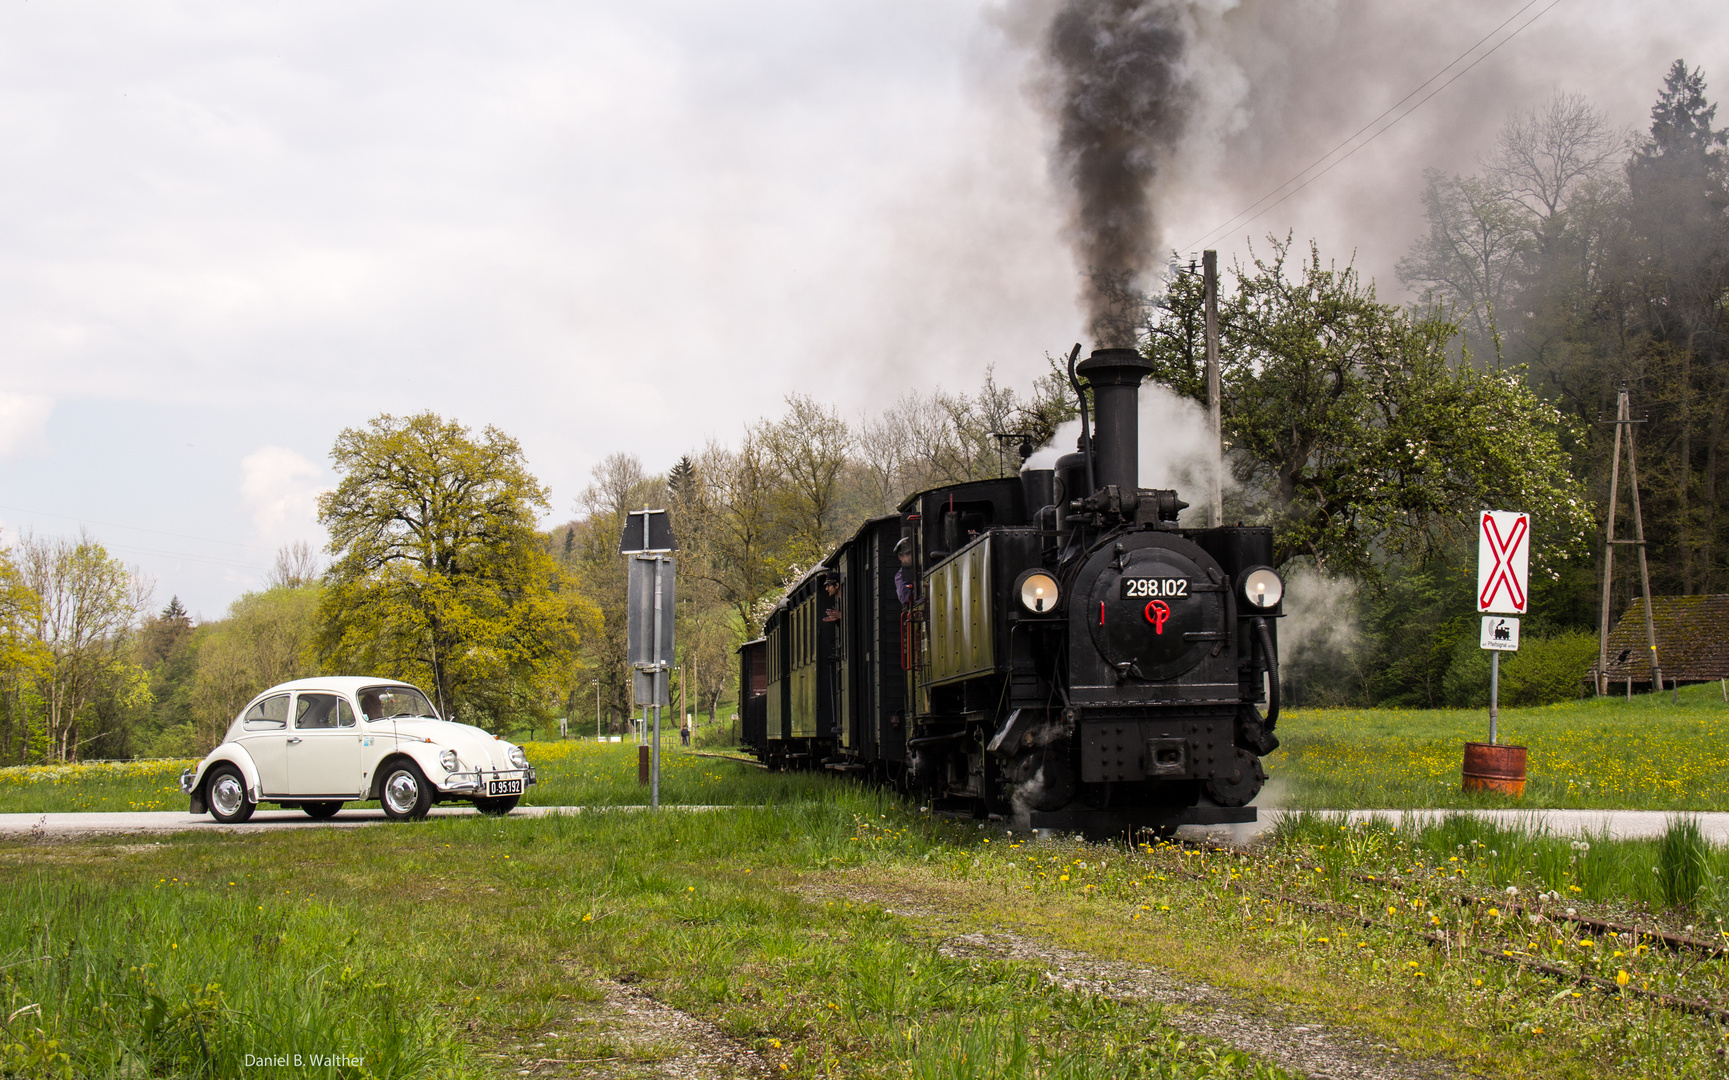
(1492, 767)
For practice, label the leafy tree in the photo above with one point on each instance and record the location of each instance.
(24, 660)
(1351, 433)
(439, 575)
(168, 654)
(1676, 275)
(267, 637)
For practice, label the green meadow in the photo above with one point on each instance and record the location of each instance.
(832, 931)
(1610, 753)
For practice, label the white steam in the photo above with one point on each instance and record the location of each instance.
(1320, 615)
(1063, 442)
(1177, 449)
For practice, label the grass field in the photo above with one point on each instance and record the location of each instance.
(571, 773)
(815, 928)
(1647, 754)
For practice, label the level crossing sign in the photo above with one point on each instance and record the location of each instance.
(1503, 562)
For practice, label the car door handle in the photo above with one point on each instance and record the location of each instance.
(293, 740)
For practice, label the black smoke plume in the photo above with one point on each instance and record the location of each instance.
(1121, 97)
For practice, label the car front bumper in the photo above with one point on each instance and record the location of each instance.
(475, 781)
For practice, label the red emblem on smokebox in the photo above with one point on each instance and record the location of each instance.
(1157, 612)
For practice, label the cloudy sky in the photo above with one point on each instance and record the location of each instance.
(229, 230)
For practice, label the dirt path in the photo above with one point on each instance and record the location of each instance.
(631, 1036)
(1266, 1030)
(1323, 1053)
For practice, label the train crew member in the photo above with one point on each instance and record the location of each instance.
(832, 587)
(907, 577)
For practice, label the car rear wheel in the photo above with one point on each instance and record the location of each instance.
(320, 811)
(497, 807)
(225, 794)
(405, 794)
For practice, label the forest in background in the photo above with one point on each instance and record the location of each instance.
(1578, 259)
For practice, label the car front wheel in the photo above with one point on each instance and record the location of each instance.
(225, 793)
(497, 807)
(320, 811)
(405, 794)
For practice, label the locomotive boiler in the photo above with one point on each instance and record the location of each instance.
(1051, 649)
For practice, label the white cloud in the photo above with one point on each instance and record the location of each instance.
(279, 488)
(23, 422)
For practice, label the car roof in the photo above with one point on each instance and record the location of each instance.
(342, 684)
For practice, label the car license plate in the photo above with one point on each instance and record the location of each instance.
(504, 787)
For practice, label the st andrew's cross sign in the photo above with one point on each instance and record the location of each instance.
(1503, 562)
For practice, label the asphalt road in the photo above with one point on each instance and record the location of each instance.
(1617, 824)
(174, 821)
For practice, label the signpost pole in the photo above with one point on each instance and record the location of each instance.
(659, 685)
(1494, 692)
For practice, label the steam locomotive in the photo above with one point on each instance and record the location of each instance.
(1051, 649)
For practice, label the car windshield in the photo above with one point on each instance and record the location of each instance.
(384, 702)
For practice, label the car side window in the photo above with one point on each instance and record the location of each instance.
(313, 712)
(271, 714)
(344, 713)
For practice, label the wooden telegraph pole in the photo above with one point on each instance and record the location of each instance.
(1624, 418)
(1216, 492)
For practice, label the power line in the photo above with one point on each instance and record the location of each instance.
(1252, 211)
(135, 528)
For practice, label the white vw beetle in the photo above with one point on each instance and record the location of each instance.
(318, 743)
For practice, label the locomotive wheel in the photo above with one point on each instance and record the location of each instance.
(1242, 783)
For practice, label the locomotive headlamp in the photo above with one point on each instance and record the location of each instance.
(1263, 588)
(1038, 592)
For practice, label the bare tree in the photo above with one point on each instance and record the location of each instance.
(810, 447)
(737, 545)
(295, 566)
(1542, 156)
(1478, 235)
(87, 602)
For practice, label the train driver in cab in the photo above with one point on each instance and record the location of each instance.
(907, 577)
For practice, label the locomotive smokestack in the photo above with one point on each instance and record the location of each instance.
(1115, 376)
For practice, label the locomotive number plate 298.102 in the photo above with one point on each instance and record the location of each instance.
(1146, 587)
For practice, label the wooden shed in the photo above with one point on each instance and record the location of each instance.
(1692, 641)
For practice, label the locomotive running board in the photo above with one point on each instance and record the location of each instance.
(1118, 821)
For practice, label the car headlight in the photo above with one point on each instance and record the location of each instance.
(448, 760)
(1263, 588)
(1038, 592)
(518, 758)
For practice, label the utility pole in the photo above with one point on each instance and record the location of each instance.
(596, 710)
(1624, 418)
(1216, 492)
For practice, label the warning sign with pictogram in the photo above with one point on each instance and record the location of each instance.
(1503, 562)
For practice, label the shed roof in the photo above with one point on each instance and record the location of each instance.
(1692, 639)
